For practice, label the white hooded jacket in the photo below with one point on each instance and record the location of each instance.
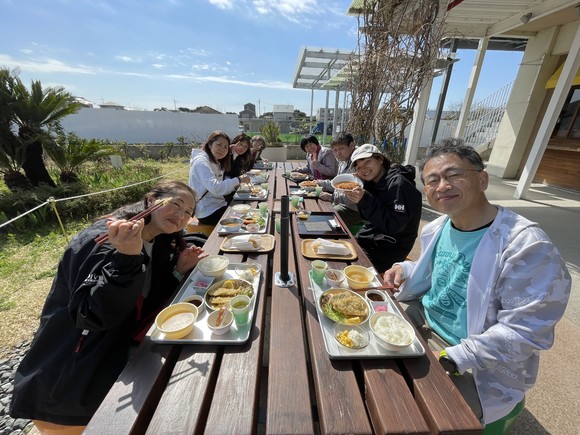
(206, 178)
(517, 291)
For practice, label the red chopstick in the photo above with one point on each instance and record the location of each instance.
(159, 203)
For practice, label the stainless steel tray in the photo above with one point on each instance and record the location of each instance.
(198, 283)
(230, 213)
(373, 350)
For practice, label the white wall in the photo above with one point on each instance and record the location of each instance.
(133, 126)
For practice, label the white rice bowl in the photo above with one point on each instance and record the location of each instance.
(391, 331)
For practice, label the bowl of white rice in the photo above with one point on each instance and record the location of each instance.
(391, 331)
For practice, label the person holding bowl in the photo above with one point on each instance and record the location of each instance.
(390, 204)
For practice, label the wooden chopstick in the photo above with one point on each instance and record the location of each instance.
(157, 204)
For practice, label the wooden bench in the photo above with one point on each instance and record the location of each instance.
(194, 226)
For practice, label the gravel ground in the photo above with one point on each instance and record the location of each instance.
(8, 366)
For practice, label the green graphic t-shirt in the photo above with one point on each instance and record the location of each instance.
(445, 303)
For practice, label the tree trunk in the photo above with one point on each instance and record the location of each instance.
(34, 167)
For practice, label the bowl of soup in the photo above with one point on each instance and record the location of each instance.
(177, 320)
(358, 277)
(231, 224)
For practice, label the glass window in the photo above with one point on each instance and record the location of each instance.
(568, 124)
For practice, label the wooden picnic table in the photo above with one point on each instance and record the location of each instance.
(281, 381)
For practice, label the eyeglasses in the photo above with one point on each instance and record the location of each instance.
(451, 176)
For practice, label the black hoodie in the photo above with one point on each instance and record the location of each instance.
(96, 289)
(392, 207)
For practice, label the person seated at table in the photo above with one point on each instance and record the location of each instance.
(258, 143)
(320, 162)
(390, 204)
(487, 290)
(342, 146)
(240, 160)
(206, 177)
(103, 300)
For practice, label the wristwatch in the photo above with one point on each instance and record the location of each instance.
(448, 364)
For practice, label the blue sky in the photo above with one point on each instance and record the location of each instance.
(149, 54)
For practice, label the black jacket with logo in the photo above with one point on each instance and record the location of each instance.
(392, 207)
(63, 378)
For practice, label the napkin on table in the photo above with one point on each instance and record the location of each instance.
(243, 242)
(330, 248)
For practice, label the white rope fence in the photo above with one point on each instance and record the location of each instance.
(52, 201)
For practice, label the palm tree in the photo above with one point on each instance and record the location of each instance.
(11, 148)
(36, 113)
(69, 152)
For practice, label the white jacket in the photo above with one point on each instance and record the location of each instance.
(206, 178)
(517, 291)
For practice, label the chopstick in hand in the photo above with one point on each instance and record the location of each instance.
(157, 204)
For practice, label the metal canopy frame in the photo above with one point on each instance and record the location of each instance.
(315, 67)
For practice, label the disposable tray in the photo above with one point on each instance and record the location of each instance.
(198, 283)
(373, 350)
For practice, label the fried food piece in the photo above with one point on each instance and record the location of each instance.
(349, 305)
(223, 291)
(218, 301)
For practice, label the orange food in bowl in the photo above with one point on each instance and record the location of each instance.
(357, 276)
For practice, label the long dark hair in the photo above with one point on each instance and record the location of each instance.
(247, 156)
(163, 189)
(215, 135)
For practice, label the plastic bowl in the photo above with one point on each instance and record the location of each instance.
(358, 277)
(196, 300)
(391, 331)
(375, 296)
(213, 265)
(231, 224)
(177, 320)
(241, 209)
(248, 271)
(362, 335)
(303, 215)
(334, 277)
(224, 326)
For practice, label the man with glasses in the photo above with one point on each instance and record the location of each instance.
(390, 204)
(487, 290)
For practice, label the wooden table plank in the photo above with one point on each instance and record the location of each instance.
(235, 405)
(132, 400)
(391, 413)
(289, 410)
(184, 405)
(340, 401)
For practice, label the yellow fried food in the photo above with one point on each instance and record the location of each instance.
(349, 305)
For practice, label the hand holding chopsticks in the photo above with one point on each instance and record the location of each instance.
(157, 204)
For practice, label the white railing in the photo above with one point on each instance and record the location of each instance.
(484, 118)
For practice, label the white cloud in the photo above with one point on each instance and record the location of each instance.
(45, 66)
(231, 81)
(292, 10)
(223, 4)
(127, 59)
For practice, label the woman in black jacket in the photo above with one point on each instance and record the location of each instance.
(103, 299)
(240, 160)
(389, 202)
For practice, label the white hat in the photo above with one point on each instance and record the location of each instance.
(364, 152)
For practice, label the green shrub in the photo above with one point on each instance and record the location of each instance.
(95, 177)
